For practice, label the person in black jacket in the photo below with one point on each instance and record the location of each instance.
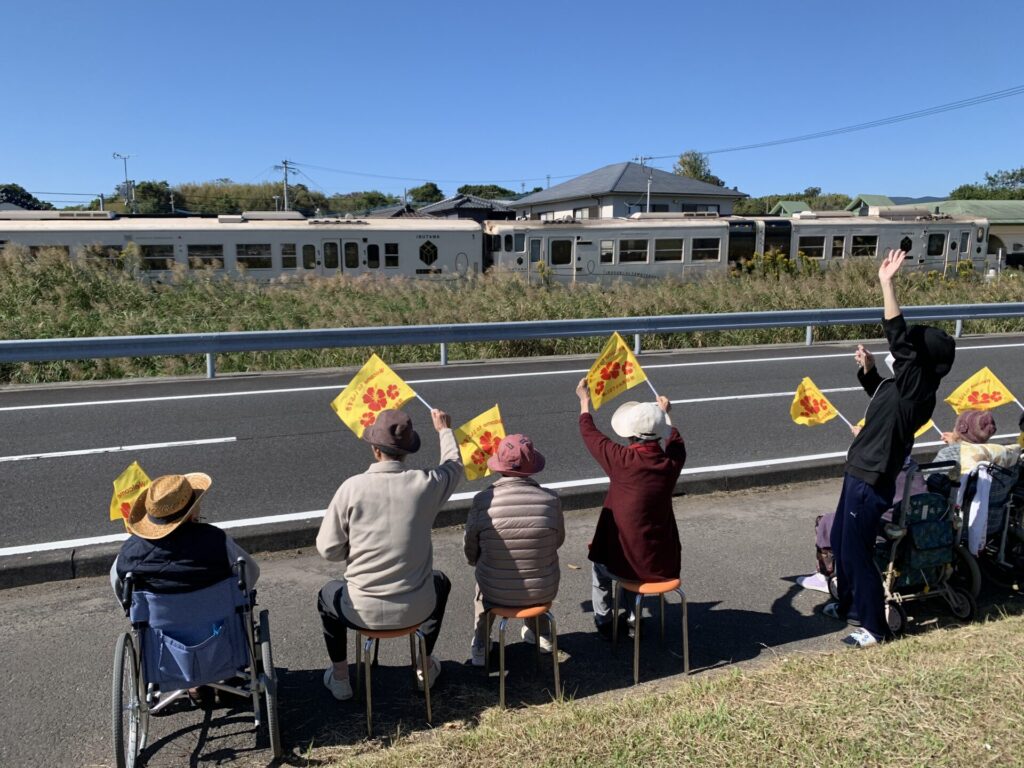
(169, 550)
(921, 356)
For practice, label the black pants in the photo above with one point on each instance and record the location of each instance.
(858, 514)
(336, 625)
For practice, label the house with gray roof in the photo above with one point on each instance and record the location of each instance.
(468, 207)
(620, 189)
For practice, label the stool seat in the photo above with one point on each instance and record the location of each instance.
(650, 587)
(527, 612)
(387, 634)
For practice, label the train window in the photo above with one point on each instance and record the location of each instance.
(206, 257)
(520, 244)
(428, 253)
(838, 246)
(288, 256)
(607, 251)
(254, 255)
(309, 256)
(157, 256)
(534, 250)
(864, 245)
(704, 249)
(936, 244)
(659, 207)
(390, 254)
(508, 243)
(981, 235)
(351, 255)
(560, 251)
(812, 246)
(632, 250)
(668, 250)
(35, 250)
(965, 242)
(330, 254)
(373, 256)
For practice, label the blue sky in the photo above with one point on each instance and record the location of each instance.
(505, 92)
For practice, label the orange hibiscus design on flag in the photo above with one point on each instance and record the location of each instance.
(126, 509)
(368, 418)
(376, 399)
(984, 398)
(611, 371)
(811, 406)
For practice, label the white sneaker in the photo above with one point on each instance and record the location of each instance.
(433, 670)
(861, 638)
(528, 636)
(340, 689)
(478, 655)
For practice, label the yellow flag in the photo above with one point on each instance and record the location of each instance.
(478, 440)
(374, 389)
(921, 431)
(128, 486)
(614, 371)
(982, 392)
(810, 407)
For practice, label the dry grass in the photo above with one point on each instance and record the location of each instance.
(50, 297)
(943, 698)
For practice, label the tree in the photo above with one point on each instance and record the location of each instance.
(427, 193)
(19, 196)
(1001, 185)
(695, 165)
(360, 202)
(759, 206)
(486, 191)
(154, 197)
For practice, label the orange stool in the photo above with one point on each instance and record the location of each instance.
(529, 612)
(642, 589)
(373, 638)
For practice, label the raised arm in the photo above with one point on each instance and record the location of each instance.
(886, 272)
(447, 475)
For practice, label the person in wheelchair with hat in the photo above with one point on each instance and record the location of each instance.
(169, 550)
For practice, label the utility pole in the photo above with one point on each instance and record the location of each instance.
(102, 201)
(277, 202)
(129, 193)
(648, 209)
(172, 203)
(549, 181)
(284, 166)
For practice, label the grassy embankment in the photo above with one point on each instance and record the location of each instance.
(48, 297)
(942, 698)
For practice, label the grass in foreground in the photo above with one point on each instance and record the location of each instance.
(942, 698)
(49, 296)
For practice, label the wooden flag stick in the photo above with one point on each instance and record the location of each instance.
(423, 401)
(656, 391)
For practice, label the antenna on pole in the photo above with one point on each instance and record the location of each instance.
(285, 166)
(129, 191)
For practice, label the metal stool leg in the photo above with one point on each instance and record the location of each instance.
(662, 596)
(489, 618)
(359, 663)
(501, 660)
(412, 657)
(425, 664)
(686, 636)
(636, 637)
(615, 615)
(554, 651)
(536, 643)
(368, 662)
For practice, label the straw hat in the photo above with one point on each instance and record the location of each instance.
(644, 421)
(166, 504)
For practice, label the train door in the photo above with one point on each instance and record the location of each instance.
(742, 242)
(536, 250)
(778, 236)
(964, 252)
(350, 257)
(561, 257)
(330, 262)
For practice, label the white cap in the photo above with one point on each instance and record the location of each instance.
(645, 421)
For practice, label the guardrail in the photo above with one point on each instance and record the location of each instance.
(212, 344)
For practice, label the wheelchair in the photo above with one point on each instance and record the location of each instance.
(206, 637)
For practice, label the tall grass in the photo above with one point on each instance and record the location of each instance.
(48, 296)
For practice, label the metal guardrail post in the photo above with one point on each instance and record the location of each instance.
(636, 343)
(959, 330)
(809, 336)
(211, 365)
(444, 353)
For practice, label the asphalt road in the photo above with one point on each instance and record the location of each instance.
(741, 552)
(274, 446)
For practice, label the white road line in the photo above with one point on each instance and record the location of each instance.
(759, 395)
(28, 549)
(117, 449)
(446, 380)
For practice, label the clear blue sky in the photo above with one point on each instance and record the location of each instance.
(503, 92)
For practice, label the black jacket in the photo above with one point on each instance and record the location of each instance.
(193, 556)
(899, 406)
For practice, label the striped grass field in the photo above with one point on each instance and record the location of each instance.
(48, 296)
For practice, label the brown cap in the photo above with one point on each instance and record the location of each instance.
(392, 432)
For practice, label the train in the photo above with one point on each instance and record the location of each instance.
(266, 245)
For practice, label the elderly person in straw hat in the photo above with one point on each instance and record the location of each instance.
(513, 533)
(380, 522)
(169, 550)
(636, 536)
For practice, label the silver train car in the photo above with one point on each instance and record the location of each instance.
(268, 245)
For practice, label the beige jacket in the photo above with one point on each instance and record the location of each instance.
(513, 533)
(380, 522)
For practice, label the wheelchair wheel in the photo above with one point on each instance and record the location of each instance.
(962, 604)
(966, 573)
(129, 720)
(270, 685)
(896, 618)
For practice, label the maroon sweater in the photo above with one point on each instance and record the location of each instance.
(636, 536)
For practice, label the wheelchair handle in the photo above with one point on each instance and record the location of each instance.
(126, 592)
(240, 565)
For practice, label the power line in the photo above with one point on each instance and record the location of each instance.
(423, 179)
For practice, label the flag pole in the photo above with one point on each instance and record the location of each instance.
(937, 428)
(845, 421)
(1018, 402)
(656, 395)
(429, 408)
